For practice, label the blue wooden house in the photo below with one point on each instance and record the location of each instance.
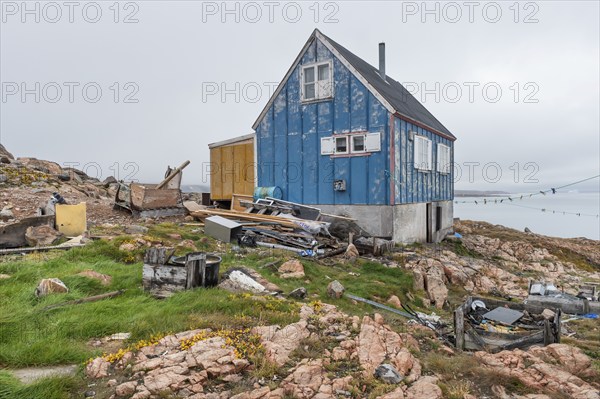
(340, 134)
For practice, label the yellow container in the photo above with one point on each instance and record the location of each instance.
(71, 219)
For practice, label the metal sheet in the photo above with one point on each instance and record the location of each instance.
(504, 315)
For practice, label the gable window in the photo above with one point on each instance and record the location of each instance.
(317, 82)
(443, 158)
(422, 153)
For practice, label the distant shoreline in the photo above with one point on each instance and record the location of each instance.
(477, 193)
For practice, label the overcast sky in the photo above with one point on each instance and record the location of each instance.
(518, 85)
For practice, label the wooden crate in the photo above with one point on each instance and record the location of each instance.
(145, 196)
(469, 338)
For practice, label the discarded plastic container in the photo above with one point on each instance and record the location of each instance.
(211, 272)
(264, 192)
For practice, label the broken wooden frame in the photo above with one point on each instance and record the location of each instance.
(163, 278)
(470, 338)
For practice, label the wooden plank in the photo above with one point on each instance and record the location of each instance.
(216, 185)
(459, 328)
(248, 172)
(228, 171)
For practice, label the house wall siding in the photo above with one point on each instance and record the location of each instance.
(288, 141)
(412, 185)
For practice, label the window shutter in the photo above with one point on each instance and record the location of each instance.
(327, 145)
(373, 142)
(429, 155)
(417, 151)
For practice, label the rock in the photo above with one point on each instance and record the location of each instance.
(243, 279)
(351, 252)
(89, 394)
(335, 289)
(298, 293)
(548, 314)
(49, 286)
(279, 343)
(4, 276)
(424, 388)
(388, 374)
(394, 301)
(291, 269)
(136, 229)
(126, 389)
(6, 214)
(3, 178)
(108, 181)
(418, 281)
(41, 236)
(43, 166)
(174, 236)
(527, 230)
(4, 153)
(97, 368)
(103, 278)
(397, 393)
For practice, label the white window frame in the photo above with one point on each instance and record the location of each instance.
(443, 158)
(372, 143)
(354, 151)
(422, 149)
(335, 149)
(323, 88)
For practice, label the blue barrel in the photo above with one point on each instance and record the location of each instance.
(264, 192)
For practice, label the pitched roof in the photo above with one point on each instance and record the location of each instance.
(401, 100)
(390, 92)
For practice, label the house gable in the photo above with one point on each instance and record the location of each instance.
(290, 130)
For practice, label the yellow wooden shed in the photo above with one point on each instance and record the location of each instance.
(232, 167)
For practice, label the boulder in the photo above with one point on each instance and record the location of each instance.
(548, 314)
(43, 166)
(4, 276)
(103, 278)
(40, 236)
(4, 152)
(388, 374)
(424, 388)
(395, 301)
(6, 214)
(291, 269)
(3, 177)
(49, 286)
(351, 252)
(335, 289)
(298, 293)
(108, 181)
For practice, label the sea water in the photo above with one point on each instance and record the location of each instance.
(527, 212)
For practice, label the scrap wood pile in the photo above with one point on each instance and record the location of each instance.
(272, 226)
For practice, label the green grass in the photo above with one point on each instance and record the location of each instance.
(47, 388)
(31, 336)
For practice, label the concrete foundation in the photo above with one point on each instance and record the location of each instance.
(374, 219)
(404, 223)
(412, 222)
